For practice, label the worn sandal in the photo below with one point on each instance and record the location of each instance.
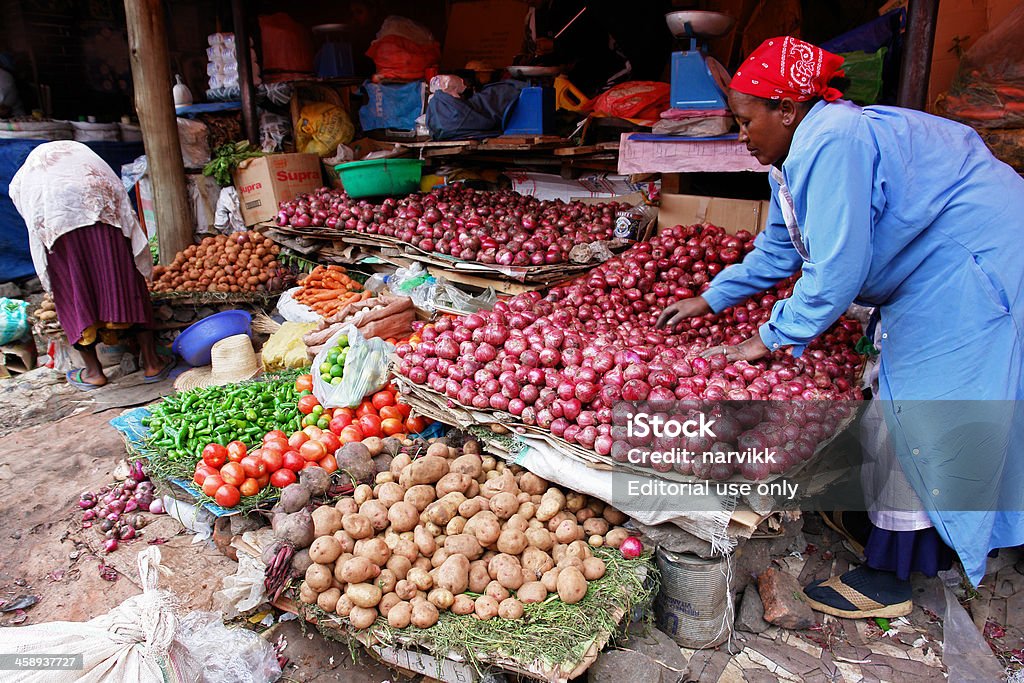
(163, 374)
(861, 593)
(74, 378)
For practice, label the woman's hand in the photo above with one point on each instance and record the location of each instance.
(675, 314)
(750, 350)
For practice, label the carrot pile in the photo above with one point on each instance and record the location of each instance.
(328, 288)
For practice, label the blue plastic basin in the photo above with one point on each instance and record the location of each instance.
(195, 343)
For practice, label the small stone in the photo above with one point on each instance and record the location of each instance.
(20, 582)
(750, 615)
(615, 666)
(656, 645)
(783, 600)
(31, 286)
(163, 313)
(183, 314)
(10, 290)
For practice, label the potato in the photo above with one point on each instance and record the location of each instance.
(346, 542)
(346, 506)
(386, 581)
(488, 463)
(579, 549)
(420, 496)
(400, 462)
(551, 504)
(399, 565)
(479, 577)
(535, 562)
(423, 563)
(424, 615)
(363, 594)
(527, 510)
(469, 507)
(596, 541)
(505, 570)
(386, 603)
(566, 531)
(357, 526)
(463, 544)
(512, 541)
(453, 574)
(328, 600)
(503, 483)
(595, 526)
(441, 598)
(504, 504)
(374, 444)
(420, 578)
(574, 502)
(453, 481)
(319, 577)
(463, 605)
(358, 570)
(434, 530)
(362, 493)
(550, 580)
(344, 606)
(615, 537)
(593, 568)
(532, 591)
(325, 550)
(438, 449)
(362, 617)
(471, 447)
(307, 594)
(614, 517)
(485, 527)
(326, 520)
(426, 470)
(441, 511)
(468, 463)
(456, 525)
(405, 589)
(403, 516)
(473, 490)
(405, 548)
(383, 478)
(485, 608)
(584, 514)
(438, 558)
(375, 511)
(496, 591)
(572, 585)
(375, 550)
(540, 539)
(510, 608)
(517, 523)
(532, 484)
(569, 561)
(400, 614)
(559, 518)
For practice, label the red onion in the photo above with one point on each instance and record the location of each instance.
(631, 548)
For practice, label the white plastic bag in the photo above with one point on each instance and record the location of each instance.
(293, 311)
(366, 370)
(227, 654)
(227, 218)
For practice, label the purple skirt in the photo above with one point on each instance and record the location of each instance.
(94, 280)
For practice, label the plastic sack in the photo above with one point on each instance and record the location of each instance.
(366, 370)
(293, 311)
(195, 149)
(865, 72)
(988, 91)
(391, 106)
(227, 217)
(404, 50)
(285, 348)
(13, 319)
(323, 126)
(226, 654)
(635, 100)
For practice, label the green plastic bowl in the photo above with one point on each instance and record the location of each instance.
(380, 177)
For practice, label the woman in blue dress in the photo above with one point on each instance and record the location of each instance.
(910, 214)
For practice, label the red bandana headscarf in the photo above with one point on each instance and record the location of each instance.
(788, 67)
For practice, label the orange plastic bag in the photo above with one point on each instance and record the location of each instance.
(638, 101)
(399, 58)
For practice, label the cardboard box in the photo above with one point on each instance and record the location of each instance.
(264, 182)
(731, 214)
(489, 31)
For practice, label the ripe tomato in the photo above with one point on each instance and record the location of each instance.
(329, 464)
(391, 412)
(273, 460)
(312, 464)
(233, 473)
(274, 434)
(365, 408)
(278, 445)
(283, 477)
(404, 408)
(253, 466)
(351, 433)
(211, 484)
(369, 425)
(297, 439)
(392, 426)
(227, 496)
(330, 441)
(339, 422)
(249, 487)
(307, 403)
(215, 455)
(264, 480)
(313, 450)
(291, 460)
(382, 399)
(202, 472)
(416, 424)
(313, 432)
(345, 412)
(303, 383)
(237, 451)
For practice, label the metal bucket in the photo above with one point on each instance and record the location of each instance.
(693, 606)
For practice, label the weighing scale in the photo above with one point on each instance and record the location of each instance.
(698, 81)
(534, 110)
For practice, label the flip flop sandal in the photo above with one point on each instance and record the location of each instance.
(861, 593)
(74, 378)
(834, 521)
(163, 374)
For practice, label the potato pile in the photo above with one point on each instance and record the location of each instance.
(449, 522)
(242, 262)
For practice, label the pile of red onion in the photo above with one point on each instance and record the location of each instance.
(503, 228)
(112, 509)
(563, 361)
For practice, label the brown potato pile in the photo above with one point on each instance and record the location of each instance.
(242, 262)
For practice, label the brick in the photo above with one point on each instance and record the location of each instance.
(783, 600)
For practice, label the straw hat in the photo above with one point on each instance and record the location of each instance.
(232, 359)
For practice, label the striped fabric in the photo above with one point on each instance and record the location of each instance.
(94, 280)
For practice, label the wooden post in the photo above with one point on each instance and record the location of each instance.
(250, 120)
(922, 16)
(154, 104)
